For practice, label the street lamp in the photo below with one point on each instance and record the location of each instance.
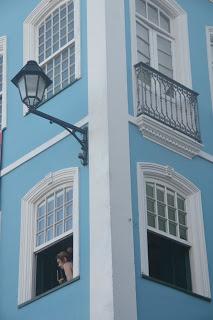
(32, 83)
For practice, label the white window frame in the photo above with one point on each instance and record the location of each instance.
(209, 31)
(69, 176)
(30, 40)
(3, 51)
(198, 254)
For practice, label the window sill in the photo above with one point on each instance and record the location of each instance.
(48, 292)
(176, 288)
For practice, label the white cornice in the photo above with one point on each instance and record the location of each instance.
(168, 137)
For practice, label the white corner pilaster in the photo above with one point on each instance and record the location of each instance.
(112, 272)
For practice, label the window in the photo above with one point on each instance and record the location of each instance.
(3, 86)
(52, 37)
(155, 40)
(49, 225)
(171, 229)
(168, 252)
(166, 111)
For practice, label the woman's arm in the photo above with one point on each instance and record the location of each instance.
(68, 269)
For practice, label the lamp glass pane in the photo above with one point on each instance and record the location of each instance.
(22, 88)
(41, 88)
(32, 82)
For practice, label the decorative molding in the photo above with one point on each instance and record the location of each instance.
(168, 137)
(69, 176)
(40, 149)
(3, 51)
(198, 255)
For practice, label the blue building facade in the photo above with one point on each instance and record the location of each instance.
(138, 217)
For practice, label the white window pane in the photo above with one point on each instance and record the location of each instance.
(141, 7)
(161, 210)
(160, 193)
(68, 224)
(182, 217)
(143, 48)
(50, 219)
(181, 203)
(151, 220)
(172, 214)
(172, 228)
(50, 203)
(142, 32)
(183, 233)
(150, 189)
(41, 210)
(68, 194)
(40, 238)
(49, 234)
(59, 214)
(40, 225)
(68, 209)
(164, 22)
(153, 14)
(162, 224)
(171, 198)
(150, 205)
(164, 45)
(59, 198)
(59, 229)
(164, 60)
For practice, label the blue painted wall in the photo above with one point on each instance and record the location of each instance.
(22, 135)
(70, 104)
(156, 301)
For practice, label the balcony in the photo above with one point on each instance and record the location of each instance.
(167, 111)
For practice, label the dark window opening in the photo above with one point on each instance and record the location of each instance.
(47, 271)
(169, 261)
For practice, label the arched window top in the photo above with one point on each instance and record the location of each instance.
(168, 175)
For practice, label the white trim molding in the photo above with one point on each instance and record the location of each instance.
(26, 258)
(3, 51)
(198, 254)
(168, 137)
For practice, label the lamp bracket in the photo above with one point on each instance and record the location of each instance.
(72, 129)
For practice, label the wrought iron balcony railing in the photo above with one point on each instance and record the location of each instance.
(167, 101)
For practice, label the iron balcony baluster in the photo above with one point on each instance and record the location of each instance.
(167, 101)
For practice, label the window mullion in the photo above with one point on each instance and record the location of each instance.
(156, 210)
(177, 216)
(155, 50)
